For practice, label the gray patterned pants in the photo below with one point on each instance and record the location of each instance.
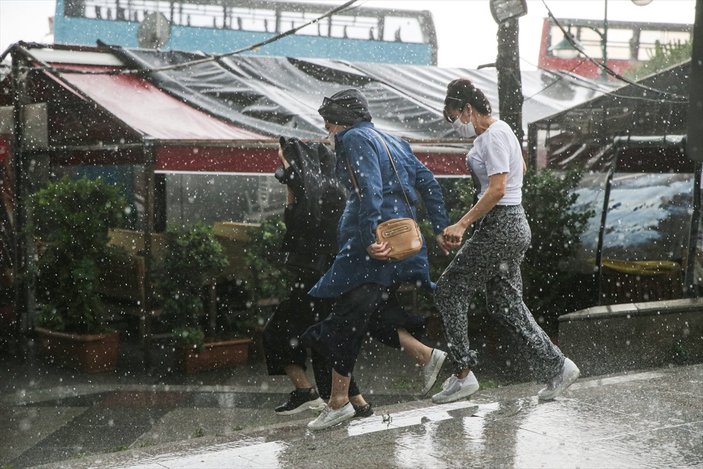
(490, 261)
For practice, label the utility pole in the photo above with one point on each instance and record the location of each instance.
(604, 43)
(694, 139)
(510, 99)
(510, 96)
(24, 297)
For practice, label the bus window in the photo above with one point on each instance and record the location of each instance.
(648, 40)
(627, 43)
(402, 29)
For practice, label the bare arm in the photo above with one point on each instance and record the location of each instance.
(496, 190)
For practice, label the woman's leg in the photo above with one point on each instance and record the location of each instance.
(454, 296)
(281, 335)
(420, 352)
(505, 301)
(285, 354)
(323, 379)
(340, 335)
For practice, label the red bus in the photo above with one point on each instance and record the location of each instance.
(628, 43)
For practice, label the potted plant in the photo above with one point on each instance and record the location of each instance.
(71, 222)
(187, 278)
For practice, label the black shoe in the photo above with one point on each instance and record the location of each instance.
(301, 400)
(363, 410)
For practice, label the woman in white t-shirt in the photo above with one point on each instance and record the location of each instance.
(490, 259)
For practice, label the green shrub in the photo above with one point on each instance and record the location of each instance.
(551, 290)
(270, 278)
(71, 219)
(193, 259)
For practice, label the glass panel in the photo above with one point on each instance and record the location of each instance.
(619, 44)
(209, 198)
(591, 192)
(645, 236)
(648, 39)
(402, 29)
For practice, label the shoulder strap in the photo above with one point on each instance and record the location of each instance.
(395, 170)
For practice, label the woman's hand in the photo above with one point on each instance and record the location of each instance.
(379, 251)
(443, 244)
(453, 235)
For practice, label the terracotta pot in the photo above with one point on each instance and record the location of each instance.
(214, 355)
(92, 353)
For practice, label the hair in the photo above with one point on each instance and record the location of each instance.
(461, 92)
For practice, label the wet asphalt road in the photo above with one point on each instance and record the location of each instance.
(652, 418)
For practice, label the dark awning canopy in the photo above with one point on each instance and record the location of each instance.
(226, 115)
(656, 107)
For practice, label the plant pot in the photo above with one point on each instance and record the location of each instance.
(92, 353)
(215, 355)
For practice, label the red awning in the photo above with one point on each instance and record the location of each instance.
(150, 111)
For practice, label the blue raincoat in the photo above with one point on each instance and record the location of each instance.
(380, 198)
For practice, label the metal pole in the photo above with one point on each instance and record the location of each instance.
(604, 42)
(23, 295)
(510, 96)
(694, 139)
(146, 312)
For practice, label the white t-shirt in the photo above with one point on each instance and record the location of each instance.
(497, 151)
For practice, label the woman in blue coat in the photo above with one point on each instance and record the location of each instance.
(362, 279)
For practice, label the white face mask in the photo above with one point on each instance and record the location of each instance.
(464, 130)
(331, 137)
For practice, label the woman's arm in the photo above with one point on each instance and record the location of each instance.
(495, 191)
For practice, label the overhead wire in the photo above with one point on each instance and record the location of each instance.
(589, 85)
(608, 70)
(217, 57)
(208, 58)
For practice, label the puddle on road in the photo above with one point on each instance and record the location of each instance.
(596, 382)
(408, 418)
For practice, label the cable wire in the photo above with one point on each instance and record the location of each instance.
(605, 67)
(209, 58)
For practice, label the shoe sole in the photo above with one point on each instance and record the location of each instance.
(337, 421)
(316, 405)
(435, 373)
(558, 392)
(463, 394)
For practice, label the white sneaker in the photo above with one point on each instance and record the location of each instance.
(558, 385)
(329, 417)
(431, 369)
(454, 389)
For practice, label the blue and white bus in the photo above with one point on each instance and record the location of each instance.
(219, 26)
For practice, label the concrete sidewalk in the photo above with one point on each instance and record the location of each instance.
(652, 418)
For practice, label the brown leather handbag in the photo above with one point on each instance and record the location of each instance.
(402, 234)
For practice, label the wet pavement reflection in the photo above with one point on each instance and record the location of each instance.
(647, 419)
